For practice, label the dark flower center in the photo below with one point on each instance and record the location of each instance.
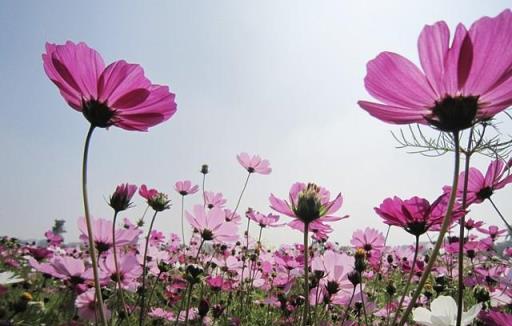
(417, 228)
(98, 114)
(76, 280)
(102, 246)
(454, 113)
(207, 235)
(485, 193)
(332, 287)
(367, 247)
(250, 169)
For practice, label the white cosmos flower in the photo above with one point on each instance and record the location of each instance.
(9, 278)
(443, 312)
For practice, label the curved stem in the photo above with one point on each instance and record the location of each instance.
(462, 222)
(118, 276)
(90, 236)
(240, 197)
(348, 306)
(144, 271)
(442, 232)
(408, 284)
(501, 216)
(153, 288)
(306, 276)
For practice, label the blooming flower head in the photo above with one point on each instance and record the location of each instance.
(185, 188)
(214, 199)
(9, 278)
(129, 270)
(369, 239)
(86, 305)
(493, 231)
(120, 199)
(415, 215)
(263, 220)
(482, 187)
(118, 94)
(212, 224)
(443, 312)
(53, 239)
(254, 163)
(460, 85)
(309, 204)
(157, 200)
(102, 231)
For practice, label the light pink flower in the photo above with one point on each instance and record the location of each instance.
(212, 225)
(118, 94)
(269, 220)
(86, 305)
(254, 163)
(129, 270)
(102, 231)
(369, 239)
(185, 188)
(53, 238)
(461, 84)
(214, 199)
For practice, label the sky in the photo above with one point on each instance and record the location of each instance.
(276, 78)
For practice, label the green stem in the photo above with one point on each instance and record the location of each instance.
(362, 299)
(501, 216)
(306, 276)
(90, 236)
(442, 232)
(144, 271)
(118, 276)
(182, 227)
(240, 197)
(409, 279)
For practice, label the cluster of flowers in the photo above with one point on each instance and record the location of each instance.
(126, 273)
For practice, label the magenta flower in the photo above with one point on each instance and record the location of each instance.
(214, 199)
(157, 200)
(263, 220)
(118, 94)
(415, 215)
(461, 84)
(308, 204)
(496, 318)
(493, 231)
(482, 187)
(254, 163)
(129, 270)
(185, 188)
(53, 238)
(121, 198)
(212, 224)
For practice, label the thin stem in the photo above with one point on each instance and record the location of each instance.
(462, 222)
(118, 276)
(442, 232)
(188, 303)
(204, 193)
(182, 227)
(153, 288)
(306, 276)
(409, 279)
(362, 300)
(501, 216)
(144, 271)
(241, 194)
(348, 306)
(90, 236)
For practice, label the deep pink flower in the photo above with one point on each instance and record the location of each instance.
(212, 224)
(121, 198)
(482, 187)
(496, 318)
(309, 204)
(493, 231)
(157, 200)
(156, 238)
(254, 163)
(53, 238)
(263, 220)
(185, 188)
(118, 94)
(461, 84)
(471, 224)
(415, 215)
(214, 199)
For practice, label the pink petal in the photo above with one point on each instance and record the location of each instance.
(394, 114)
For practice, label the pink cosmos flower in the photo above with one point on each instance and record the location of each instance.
(63, 267)
(185, 188)
(369, 239)
(263, 220)
(157, 200)
(214, 199)
(415, 215)
(156, 238)
(129, 270)
(53, 238)
(121, 198)
(493, 231)
(309, 204)
(254, 163)
(482, 187)
(118, 94)
(496, 318)
(471, 224)
(212, 225)
(86, 305)
(461, 84)
(102, 231)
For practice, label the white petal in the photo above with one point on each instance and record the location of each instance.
(468, 316)
(422, 316)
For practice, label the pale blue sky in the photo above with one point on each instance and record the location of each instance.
(277, 78)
